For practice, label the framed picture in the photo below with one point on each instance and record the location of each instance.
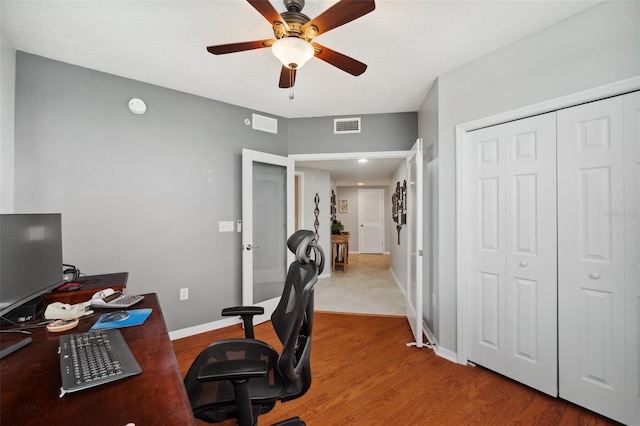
(343, 206)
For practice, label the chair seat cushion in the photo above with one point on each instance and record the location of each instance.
(215, 401)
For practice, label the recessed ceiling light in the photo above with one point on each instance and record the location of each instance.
(362, 160)
(360, 183)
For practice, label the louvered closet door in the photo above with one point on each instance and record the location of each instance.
(512, 271)
(591, 256)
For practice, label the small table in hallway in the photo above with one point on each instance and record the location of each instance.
(340, 250)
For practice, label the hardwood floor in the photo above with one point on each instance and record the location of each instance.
(364, 374)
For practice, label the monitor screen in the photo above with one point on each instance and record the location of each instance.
(30, 257)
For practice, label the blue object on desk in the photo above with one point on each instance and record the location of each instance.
(136, 317)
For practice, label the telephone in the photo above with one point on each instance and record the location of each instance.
(108, 298)
(64, 311)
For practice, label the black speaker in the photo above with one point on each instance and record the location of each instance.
(70, 274)
(29, 311)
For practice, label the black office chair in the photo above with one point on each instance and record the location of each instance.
(243, 378)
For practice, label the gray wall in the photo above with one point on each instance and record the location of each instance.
(350, 220)
(397, 251)
(144, 193)
(596, 47)
(380, 132)
(7, 117)
(137, 193)
(318, 182)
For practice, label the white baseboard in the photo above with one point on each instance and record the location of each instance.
(398, 283)
(439, 350)
(203, 328)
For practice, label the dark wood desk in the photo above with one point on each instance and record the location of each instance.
(90, 285)
(30, 381)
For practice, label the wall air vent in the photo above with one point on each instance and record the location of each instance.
(346, 125)
(264, 124)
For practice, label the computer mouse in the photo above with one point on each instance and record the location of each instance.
(69, 287)
(115, 316)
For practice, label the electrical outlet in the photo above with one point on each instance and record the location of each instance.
(184, 293)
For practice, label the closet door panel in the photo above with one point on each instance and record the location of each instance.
(485, 162)
(531, 252)
(591, 257)
(632, 250)
(512, 254)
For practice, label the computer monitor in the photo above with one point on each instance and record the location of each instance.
(30, 257)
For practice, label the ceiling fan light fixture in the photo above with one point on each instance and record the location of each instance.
(293, 52)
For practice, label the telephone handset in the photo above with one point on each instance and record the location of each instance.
(108, 298)
(64, 311)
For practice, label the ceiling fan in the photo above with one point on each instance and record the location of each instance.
(294, 33)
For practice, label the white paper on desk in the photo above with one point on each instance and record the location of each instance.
(58, 310)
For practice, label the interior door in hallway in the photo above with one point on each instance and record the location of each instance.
(371, 220)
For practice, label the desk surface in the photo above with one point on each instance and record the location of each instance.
(90, 285)
(30, 381)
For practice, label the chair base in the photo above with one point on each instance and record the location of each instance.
(294, 421)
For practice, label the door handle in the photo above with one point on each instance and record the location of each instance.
(594, 276)
(250, 247)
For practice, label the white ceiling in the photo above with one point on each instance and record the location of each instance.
(375, 172)
(406, 44)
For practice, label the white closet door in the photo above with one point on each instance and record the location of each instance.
(632, 249)
(591, 257)
(485, 153)
(512, 250)
(531, 253)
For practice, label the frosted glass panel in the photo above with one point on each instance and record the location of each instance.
(269, 231)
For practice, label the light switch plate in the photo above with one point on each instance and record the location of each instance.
(225, 226)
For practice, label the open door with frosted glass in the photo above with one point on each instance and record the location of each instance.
(267, 222)
(414, 248)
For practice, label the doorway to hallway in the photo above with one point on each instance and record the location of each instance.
(368, 288)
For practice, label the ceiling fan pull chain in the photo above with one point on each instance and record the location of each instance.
(291, 83)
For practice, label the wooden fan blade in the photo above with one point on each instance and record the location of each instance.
(221, 49)
(339, 14)
(338, 60)
(267, 10)
(287, 77)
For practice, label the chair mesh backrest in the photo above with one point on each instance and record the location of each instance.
(293, 317)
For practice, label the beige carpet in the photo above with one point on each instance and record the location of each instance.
(367, 287)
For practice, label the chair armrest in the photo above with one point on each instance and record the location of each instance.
(242, 310)
(247, 313)
(235, 369)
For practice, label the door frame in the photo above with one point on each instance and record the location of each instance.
(348, 156)
(462, 228)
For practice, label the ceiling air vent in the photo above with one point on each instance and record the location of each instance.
(346, 125)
